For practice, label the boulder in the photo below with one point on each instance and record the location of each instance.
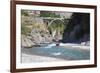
(26, 42)
(39, 36)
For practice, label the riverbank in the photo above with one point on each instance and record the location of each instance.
(26, 58)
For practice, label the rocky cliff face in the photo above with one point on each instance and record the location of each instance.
(38, 33)
(36, 38)
(39, 36)
(78, 28)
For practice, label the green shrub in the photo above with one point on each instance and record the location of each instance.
(25, 30)
(48, 14)
(24, 12)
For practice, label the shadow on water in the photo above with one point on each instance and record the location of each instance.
(58, 52)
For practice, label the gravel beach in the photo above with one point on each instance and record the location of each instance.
(35, 58)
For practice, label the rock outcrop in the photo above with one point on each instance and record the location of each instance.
(78, 28)
(26, 42)
(36, 38)
(39, 36)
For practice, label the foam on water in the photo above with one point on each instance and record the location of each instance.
(56, 53)
(50, 45)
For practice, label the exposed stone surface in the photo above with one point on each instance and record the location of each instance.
(78, 29)
(36, 38)
(26, 42)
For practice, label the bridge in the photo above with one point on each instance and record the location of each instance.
(50, 20)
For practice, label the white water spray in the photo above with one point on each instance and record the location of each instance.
(50, 45)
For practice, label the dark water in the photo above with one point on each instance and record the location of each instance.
(59, 52)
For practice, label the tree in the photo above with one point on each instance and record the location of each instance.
(24, 12)
(48, 14)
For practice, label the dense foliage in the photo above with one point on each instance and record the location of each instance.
(25, 30)
(48, 14)
(24, 12)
